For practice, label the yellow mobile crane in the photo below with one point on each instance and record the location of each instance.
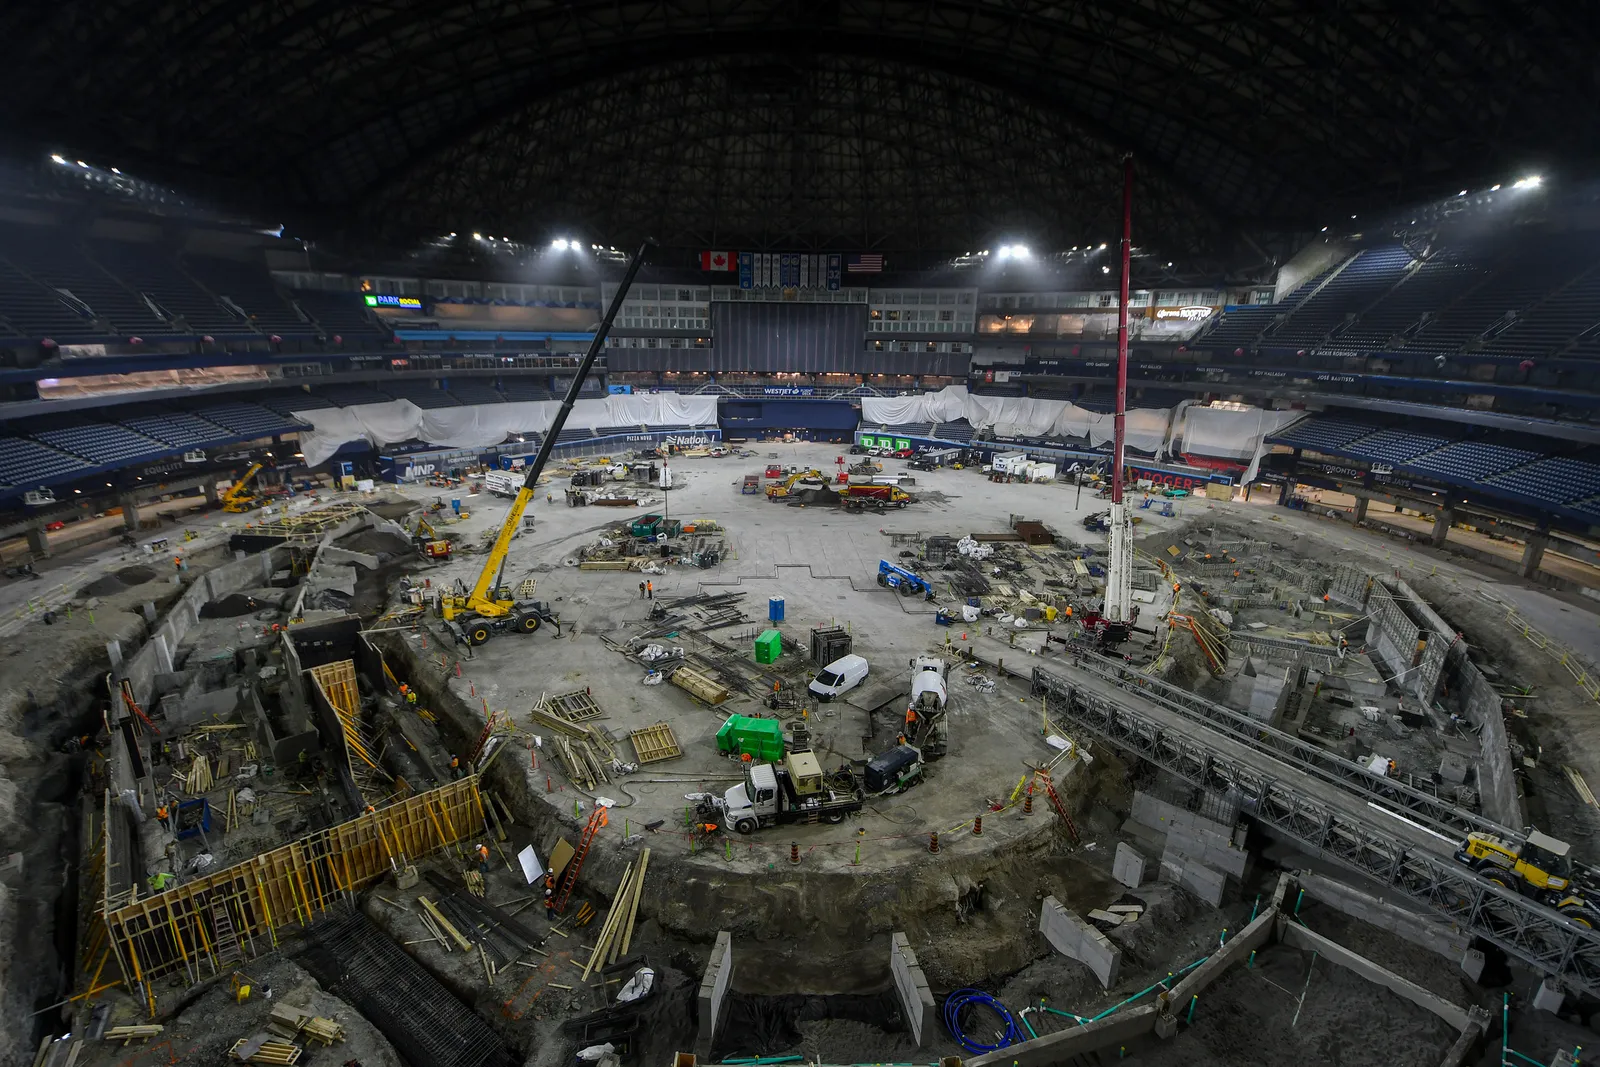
(239, 497)
(477, 614)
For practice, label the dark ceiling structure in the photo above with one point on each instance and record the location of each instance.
(916, 127)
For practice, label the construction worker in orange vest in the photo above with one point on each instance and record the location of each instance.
(483, 859)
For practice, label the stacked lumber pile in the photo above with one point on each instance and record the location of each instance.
(617, 933)
(289, 1023)
(585, 751)
(263, 1049)
(129, 1034)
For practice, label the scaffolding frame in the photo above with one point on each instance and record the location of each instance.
(175, 933)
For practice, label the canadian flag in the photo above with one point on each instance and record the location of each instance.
(716, 260)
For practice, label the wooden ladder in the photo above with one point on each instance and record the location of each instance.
(570, 877)
(1061, 809)
(225, 942)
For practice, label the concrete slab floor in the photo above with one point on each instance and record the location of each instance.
(824, 563)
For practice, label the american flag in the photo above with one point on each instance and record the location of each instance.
(865, 263)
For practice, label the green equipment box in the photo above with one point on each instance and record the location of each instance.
(760, 739)
(769, 646)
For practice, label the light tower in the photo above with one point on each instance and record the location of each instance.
(1120, 612)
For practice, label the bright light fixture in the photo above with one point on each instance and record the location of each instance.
(477, 237)
(1102, 246)
(1532, 181)
(1495, 188)
(1105, 270)
(82, 164)
(58, 159)
(559, 244)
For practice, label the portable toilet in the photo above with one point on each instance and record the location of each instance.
(760, 739)
(775, 609)
(769, 646)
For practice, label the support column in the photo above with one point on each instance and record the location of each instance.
(130, 514)
(1533, 554)
(1361, 509)
(213, 498)
(1442, 521)
(38, 542)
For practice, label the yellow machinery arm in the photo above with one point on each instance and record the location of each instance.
(238, 492)
(482, 599)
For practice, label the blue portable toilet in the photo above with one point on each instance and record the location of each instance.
(775, 609)
(455, 505)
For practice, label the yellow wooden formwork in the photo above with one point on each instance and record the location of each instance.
(175, 933)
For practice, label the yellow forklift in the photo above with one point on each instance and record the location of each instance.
(474, 615)
(1540, 867)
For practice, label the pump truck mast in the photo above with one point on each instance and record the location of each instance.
(486, 609)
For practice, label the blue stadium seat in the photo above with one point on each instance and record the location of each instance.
(1241, 326)
(102, 443)
(345, 314)
(250, 288)
(1438, 282)
(352, 394)
(152, 272)
(1555, 480)
(1394, 446)
(32, 310)
(25, 463)
(1371, 274)
(1471, 460)
(472, 391)
(1323, 433)
(248, 420)
(53, 258)
(424, 394)
(178, 428)
(523, 390)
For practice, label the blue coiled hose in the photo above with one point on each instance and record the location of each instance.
(962, 999)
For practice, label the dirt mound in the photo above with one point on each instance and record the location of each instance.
(136, 575)
(106, 586)
(232, 606)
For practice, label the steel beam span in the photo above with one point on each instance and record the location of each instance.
(1366, 836)
(1432, 811)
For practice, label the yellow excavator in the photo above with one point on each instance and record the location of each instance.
(474, 615)
(239, 497)
(784, 488)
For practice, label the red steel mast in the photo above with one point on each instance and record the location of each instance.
(1121, 417)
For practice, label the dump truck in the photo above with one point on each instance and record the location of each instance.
(859, 497)
(1540, 867)
(793, 791)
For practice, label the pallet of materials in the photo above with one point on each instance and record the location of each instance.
(699, 685)
(576, 706)
(262, 1049)
(129, 1034)
(652, 744)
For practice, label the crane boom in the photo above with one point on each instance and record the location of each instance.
(482, 599)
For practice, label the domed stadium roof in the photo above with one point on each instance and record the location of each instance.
(933, 126)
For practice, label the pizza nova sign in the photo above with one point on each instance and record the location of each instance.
(1189, 312)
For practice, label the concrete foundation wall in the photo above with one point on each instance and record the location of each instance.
(713, 987)
(1237, 950)
(1497, 780)
(1192, 836)
(916, 999)
(1429, 933)
(1297, 936)
(1074, 938)
(1063, 1047)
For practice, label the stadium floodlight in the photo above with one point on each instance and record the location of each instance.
(1105, 270)
(477, 237)
(114, 170)
(82, 164)
(1020, 252)
(559, 244)
(1462, 193)
(1004, 252)
(1102, 246)
(58, 159)
(1495, 188)
(1532, 181)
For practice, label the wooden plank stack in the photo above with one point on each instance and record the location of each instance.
(269, 1051)
(700, 685)
(199, 779)
(585, 751)
(617, 933)
(129, 1034)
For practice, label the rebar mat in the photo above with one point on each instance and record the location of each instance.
(422, 1019)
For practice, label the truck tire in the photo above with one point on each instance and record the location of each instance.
(528, 624)
(478, 634)
(899, 503)
(833, 818)
(745, 826)
(906, 589)
(1580, 915)
(883, 580)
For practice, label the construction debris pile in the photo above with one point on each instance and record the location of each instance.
(651, 543)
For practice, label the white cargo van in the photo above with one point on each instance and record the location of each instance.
(839, 677)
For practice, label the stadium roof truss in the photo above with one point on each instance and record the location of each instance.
(896, 124)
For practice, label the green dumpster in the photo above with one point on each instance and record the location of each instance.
(760, 739)
(769, 646)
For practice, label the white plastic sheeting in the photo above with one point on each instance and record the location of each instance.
(1014, 416)
(1227, 434)
(480, 425)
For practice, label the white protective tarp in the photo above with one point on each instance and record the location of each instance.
(481, 425)
(1016, 416)
(1225, 434)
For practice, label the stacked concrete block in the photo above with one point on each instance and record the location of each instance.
(916, 999)
(1076, 939)
(1128, 867)
(1201, 854)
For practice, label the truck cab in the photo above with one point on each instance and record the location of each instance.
(770, 795)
